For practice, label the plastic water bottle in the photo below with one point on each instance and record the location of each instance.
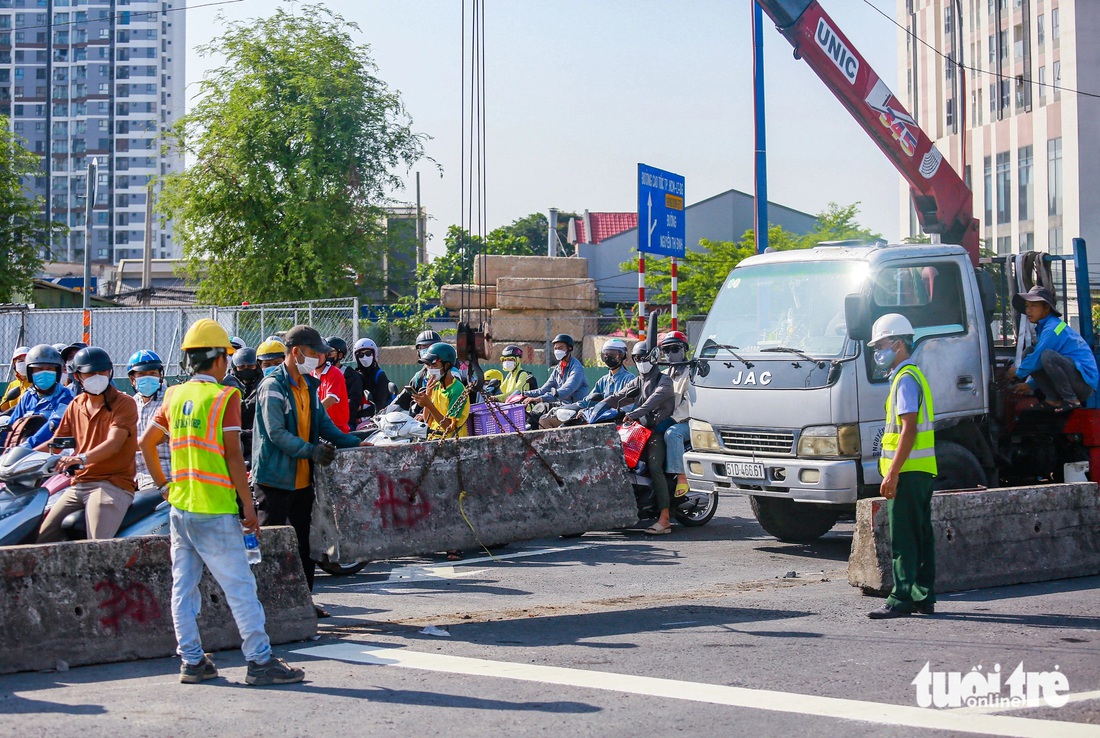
(252, 548)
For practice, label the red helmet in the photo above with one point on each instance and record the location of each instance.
(673, 337)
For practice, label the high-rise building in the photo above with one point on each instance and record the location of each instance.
(95, 78)
(1030, 154)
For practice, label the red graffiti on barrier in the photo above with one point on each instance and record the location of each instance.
(400, 510)
(135, 603)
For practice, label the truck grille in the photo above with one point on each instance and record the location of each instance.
(765, 442)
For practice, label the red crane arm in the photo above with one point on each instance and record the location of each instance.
(943, 202)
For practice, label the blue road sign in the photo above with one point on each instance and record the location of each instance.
(660, 212)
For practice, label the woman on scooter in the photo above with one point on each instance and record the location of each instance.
(652, 395)
(516, 378)
(674, 344)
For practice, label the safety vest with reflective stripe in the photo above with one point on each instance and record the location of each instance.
(200, 475)
(922, 457)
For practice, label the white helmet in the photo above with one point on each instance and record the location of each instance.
(615, 344)
(891, 325)
(365, 343)
(21, 351)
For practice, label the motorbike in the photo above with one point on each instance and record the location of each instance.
(535, 410)
(396, 427)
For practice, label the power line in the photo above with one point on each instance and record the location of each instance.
(978, 70)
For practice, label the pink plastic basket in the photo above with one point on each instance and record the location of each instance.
(487, 421)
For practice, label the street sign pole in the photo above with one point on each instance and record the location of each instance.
(675, 323)
(641, 295)
(760, 224)
(93, 180)
(661, 229)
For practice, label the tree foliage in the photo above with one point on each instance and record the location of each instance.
(293, 146)
(24, 233)
(702, 273)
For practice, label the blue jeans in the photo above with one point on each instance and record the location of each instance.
(218, 542)
(677, 438)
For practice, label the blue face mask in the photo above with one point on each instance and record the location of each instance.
(44, 380)
(270, 370)
(884, 358)
(147, 386)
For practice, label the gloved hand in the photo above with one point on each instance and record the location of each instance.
(323, 454)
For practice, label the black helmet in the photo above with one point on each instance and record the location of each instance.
(244, 357)
(44, 355)
(564, 338)
(338, 345)
(70, 351)
(92, 359)
(427, 338)
(512, 351)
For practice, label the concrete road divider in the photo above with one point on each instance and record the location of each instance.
(96, 602)
(406, 500)
(488, 268)
(990, 538)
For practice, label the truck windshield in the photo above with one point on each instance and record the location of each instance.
(794, 305)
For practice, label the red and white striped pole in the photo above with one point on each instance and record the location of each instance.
(641, 295)
(674, 286)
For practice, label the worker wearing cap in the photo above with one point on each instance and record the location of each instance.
(907, 465)
(10, 398)
(270, 354)
(1061, 365)
(287, 438)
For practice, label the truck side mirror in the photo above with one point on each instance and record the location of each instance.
(857, 316)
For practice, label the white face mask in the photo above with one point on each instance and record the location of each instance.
(435, 372)
(365, 361)
(509, 366)
(644, 366)
(559, 354)
(308, 364)
(21, 368)
(96, 384)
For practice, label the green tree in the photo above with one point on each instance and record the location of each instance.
(294, 147)
(24, 233)
(456, 266)
(533, 229)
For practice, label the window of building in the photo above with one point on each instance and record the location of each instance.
(1018, 42)
(1042, 85)
(950, 110)
(1026, 202)
(1002, 45)
(1004, 245)
(992, 99)
(1054, 241)
(1040, 30)
(1027, 242)
(1054, 176)
(1055, 27)
(1006, 94)
(1056, 80)
(1004, 187)
(988, 191)
(992, 49)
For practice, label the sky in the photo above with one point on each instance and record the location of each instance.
(578, 92)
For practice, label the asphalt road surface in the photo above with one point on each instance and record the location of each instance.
(713, 631)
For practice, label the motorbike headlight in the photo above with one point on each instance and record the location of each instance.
(703, 437)
(829, 440)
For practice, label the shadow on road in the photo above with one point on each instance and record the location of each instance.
(1034, 621)
(837, 548)
(380, 695)
(13, 704)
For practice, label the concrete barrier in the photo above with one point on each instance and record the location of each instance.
(531, 325)
(546, 294)
(465, 296)
(990, 538)
(96, 602)
(488, 268)
(366, 507)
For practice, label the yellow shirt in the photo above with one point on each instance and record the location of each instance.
(301, 402)
(22, 384)
(446, 402)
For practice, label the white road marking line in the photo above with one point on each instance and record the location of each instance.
(679, 622)
(994, 709)
(758, 699)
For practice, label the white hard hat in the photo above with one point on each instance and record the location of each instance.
(890, 325)
(21, 351)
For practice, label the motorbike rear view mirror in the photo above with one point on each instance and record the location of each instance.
(64, 443)
(857, 316)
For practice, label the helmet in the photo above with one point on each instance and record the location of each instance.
(672, 338)
(237, 343)
(92, 359)
(494, 375)
(206, 333)
(511, 352)
(444, 352)
(44, 355)
(615, 344)
(69, 351)
(144, 361)
(564, 338)
(59, 347)
(21, 351)
(639, 350)
(366, 343)
(338, 345)
(891, 325)
(427, 338)
(270, 350)
(244, 357)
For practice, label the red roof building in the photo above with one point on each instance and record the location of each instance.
(595, 227)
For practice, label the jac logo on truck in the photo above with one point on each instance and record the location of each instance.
(745, 379)
(842, 56)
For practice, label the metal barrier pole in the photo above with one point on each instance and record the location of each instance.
(263, 322)
(355, 315)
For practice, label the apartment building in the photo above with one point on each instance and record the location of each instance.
(1011, 122)
(95, 78)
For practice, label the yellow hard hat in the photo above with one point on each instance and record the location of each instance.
(207, 333)
(494, 374)
(270, 349)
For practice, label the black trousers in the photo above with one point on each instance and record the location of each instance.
(283, 506)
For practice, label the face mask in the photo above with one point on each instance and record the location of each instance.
(509, 366)
(366, 360)
(676, 356)
(435, 372)
(96, 384)
(644, 366)
(884, 358)
(559, 354)
(270, 370)
(308, 364)
(44, 380)
(21, 368)
(147, 386)
(612, 361)
(248, 376)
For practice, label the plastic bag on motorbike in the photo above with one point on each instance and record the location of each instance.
(634, 437)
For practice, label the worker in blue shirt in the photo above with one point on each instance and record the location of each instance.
(567, 382)
(48, 398)
(1061, 366)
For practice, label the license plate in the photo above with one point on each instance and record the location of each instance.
(744, 470)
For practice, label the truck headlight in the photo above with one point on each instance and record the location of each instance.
(829, 440)
(703, 437)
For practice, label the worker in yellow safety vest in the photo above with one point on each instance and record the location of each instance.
(907, 465)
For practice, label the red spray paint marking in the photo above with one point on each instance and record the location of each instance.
(134, 603)
(400, 511)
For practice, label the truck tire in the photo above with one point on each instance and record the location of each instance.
(958, 468)
(790, 521)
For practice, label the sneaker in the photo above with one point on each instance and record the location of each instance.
(926, 608)
(199, 672)
(275, 671)
(888, 611)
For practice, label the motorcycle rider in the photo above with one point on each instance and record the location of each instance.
(567, 382)
(146, 373)
(270, 354)
(652, 395)
(375, 383)
(674, 344)
(49, 398)
(17, 386)
(67, 354)
(613, 355)
(514, 377)
(444, 399)
(424, 341)
(353, 384)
